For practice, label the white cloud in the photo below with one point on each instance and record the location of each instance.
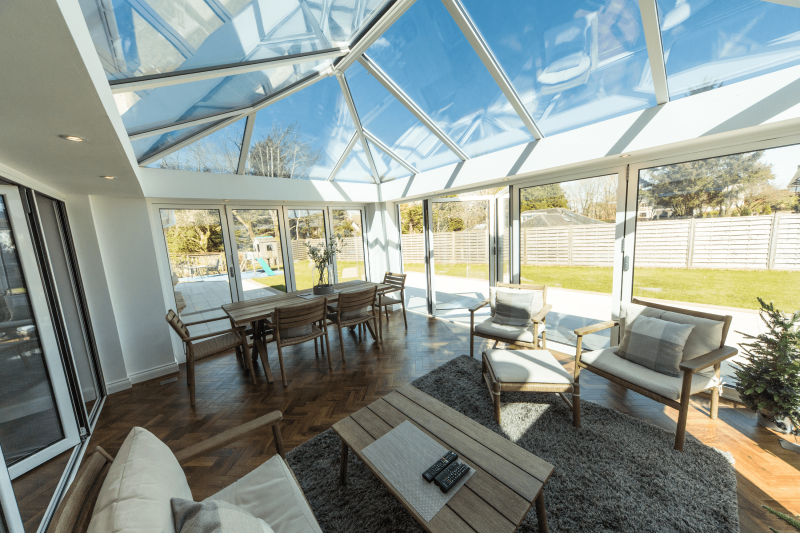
(383, 42)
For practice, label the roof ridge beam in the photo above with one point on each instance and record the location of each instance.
(348, 98)
(470, 31)
(391, 153)
(350, 144)
(187, 76)
(409, 104)
(655, 50)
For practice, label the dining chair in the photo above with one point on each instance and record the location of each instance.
(211, 344)
(296, 324)
(353, 309)
(398, 282)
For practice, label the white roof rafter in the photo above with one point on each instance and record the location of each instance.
(470, 31)
(350, 144)
(348, 98)
(655, 51)
(391, 153)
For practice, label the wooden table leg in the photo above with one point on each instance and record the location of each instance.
(541, 514)
(262, 351)
(343, 465)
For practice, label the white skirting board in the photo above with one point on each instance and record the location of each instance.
(157, 372)
(118, 386)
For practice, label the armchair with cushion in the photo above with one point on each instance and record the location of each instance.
(132, 492)
(699, 367)
(526, 336)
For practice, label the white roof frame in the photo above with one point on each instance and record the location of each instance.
(391, 153)
(790, 3)
(470, 31)
(655, 51)
(348, 98)
(340, 163)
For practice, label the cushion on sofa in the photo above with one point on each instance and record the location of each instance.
(628, 312)
(515, 308)
(705, 337)
(136, 493)
(667, 386)
(656, 344)
(271, 493)
(512, 333)
(538, 301)
(212, 516)
(527, 366)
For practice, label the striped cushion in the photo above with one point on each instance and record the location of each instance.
(656, 344)
(514, 308)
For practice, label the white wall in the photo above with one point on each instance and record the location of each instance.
(129, 259)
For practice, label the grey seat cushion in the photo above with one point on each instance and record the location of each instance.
(527, 366)
(656, 344)
(512, 333)
(514, 308)
(213, 516)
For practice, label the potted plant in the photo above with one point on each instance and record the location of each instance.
(322, 257)
(769, 382)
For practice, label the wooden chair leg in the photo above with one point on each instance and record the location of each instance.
(576, 405)
(328, 345)
(190, 378)
(544, 340)
(248, 361)
(715, 394)
(280, 362)
(316, 350)
(341, 341)
(541, 513)
(683, 413)
(403, 304)
(387, 314)
(471, 343)
(343, 465)
(496, 401)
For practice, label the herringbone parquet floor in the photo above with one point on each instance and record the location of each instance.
(315, 399)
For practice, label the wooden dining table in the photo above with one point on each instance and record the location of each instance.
(256, 312)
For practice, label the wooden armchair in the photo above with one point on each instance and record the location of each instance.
(297, 324)
(351, 310)
(671, 391)
(521, 336)
(212, 344)
(75, 511)
(398, 281)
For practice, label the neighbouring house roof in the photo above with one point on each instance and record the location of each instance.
(555, 216)
(794, 183)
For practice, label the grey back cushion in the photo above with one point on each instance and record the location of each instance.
(515, 308)
(656, 344)
(212, 516)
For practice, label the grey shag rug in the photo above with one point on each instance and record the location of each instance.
(615, 473)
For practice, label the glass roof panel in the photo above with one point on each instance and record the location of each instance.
(708, 43)
(164, 106)
(303, 135)
(573, 62)
(144, 148)
(426, 54)
(148, 37)
(218, 152)
(388, 168)
(385, 117)
(356, 167)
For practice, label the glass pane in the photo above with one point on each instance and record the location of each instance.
(708, 44)
(147, 146)
(573, 62)
(461, 253)
(258, 239)
(306, 228)
(385, 117)
(412, 236)
(146, 37)
(165, 106)
(567, 243)
(348, 228)
(504, 275)
(426, 54)
(356, 167)
(388, 168)
(716, 234)
(29, 419)
(198, 265)
(218, 152)
(303, 135)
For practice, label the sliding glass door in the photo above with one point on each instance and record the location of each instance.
(260, 251)
(306, 228)
(348, 228)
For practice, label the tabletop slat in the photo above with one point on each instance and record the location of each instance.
(522, 458)
(506, 501)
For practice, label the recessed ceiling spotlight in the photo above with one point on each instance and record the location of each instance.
(625, 155)
(107, 177)
(73, 138)
(225, 200)
(505, 179)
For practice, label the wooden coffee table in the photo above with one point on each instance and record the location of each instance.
(496, 498)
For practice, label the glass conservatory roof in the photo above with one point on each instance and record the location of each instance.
(374, 90)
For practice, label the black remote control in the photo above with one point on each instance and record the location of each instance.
(439, 465)
(451, 475)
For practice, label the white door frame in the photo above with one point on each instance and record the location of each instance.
(46, 333)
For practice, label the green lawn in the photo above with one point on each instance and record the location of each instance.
(729, 288)
(303, 275)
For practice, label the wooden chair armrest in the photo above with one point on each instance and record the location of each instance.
(205, 321)
(214, 334)
(232, 435)
(539, 317)
(710, 359)
(594, 328)
(475, 308)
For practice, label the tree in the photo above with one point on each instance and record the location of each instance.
(218, 152)
(283, 153)
(542, 197)
(593, 197)
(411, 218)
(195, 231)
